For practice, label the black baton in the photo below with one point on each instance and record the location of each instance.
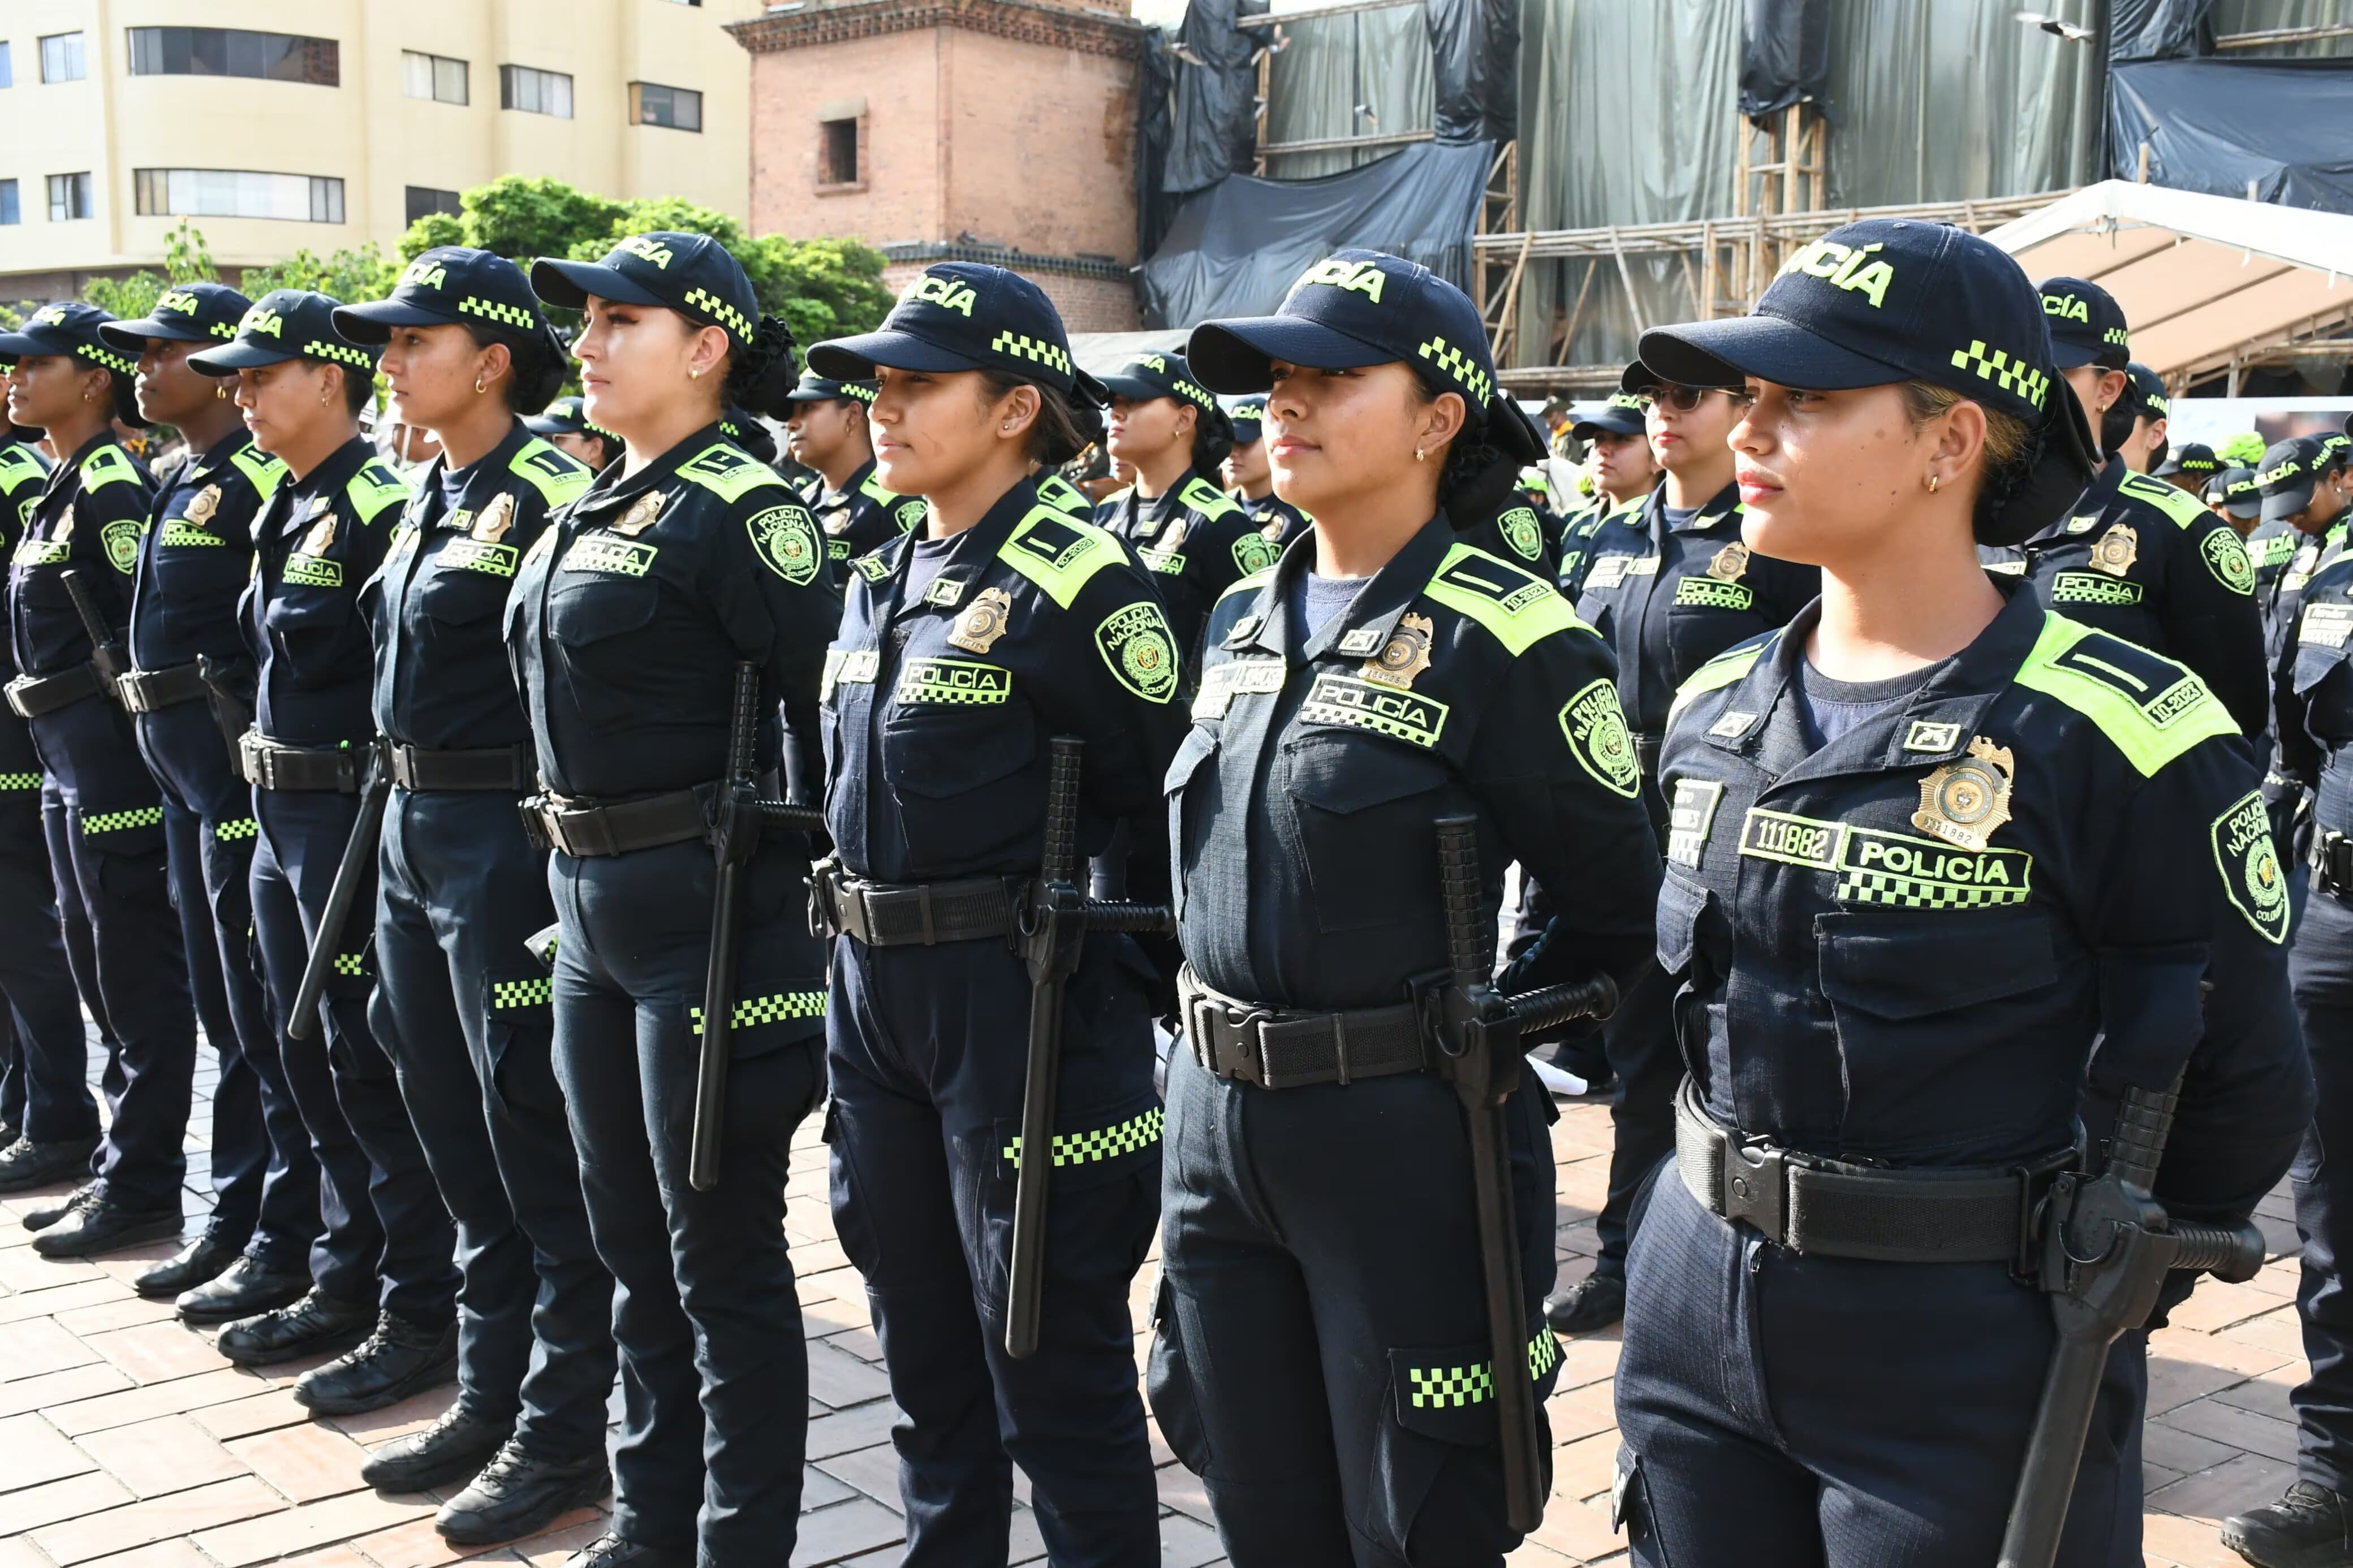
(735, 834)
(351, 871)
(107, 659)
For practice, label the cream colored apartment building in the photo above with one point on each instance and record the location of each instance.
(282, 125)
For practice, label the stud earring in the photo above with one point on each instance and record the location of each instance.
(693, 374)
(1933, 482)
(219, 391)
(1419, 456)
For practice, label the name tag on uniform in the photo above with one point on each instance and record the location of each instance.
(2325, 626)
(1690, 818)
(603, 552)
(1236, 677)
(1607, 572)
(847, 667)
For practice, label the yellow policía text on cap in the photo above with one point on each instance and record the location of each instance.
(1842, 266)
(1360, 277)
(945, 292)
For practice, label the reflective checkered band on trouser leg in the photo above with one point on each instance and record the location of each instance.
(498, 310)
(349, 964)
(1021, 346)
(1441, 1387)
(1102, 1144)
(236, 828)
(117, 821)
(507, 993)
(1996, 366)
(720, 311)
(19, 781)
(753, 1011)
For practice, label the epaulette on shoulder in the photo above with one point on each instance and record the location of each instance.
(1206, 498)
(262, 471)
(19, 465)
(1250, 585)
(1518, 608)
(373, 488)
(729, 473)
(1058, 552)
(107, 466)
(558, 477)
(1057, 492)
(2151, 709)
(1721, 671)
(2179, 505)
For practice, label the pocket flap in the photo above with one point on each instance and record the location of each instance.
(1681, 904)
(1909, 968)
(591, 608)
(1090, 1146)
(1344, 774)
(1448, 1393)
(1200, 746)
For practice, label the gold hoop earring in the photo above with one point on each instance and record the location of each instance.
(478, 387)
(219, 390)
(1933, 482)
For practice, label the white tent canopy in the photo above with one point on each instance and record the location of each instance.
(2206, 282)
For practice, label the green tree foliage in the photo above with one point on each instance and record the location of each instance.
(351, 276)
(518, 216)
(186, 259)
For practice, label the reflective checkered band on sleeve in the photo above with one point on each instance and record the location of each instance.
(1996, 366)
(1460, 366)
(753, 1011)
(117, 821)
(348, 963)
(1445, 1387)
(720, 311)
(534, 992)
(106, 357)
(498, 310)
(1023, 346)
(236, 828)
(337, 354)
(1102, 1144)
(20, 780)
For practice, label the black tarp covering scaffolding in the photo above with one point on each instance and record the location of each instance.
(1214, 106)
(2160, 29)
(1785, 54)
(1475, 50)
(2282, 127)
(1236, 249)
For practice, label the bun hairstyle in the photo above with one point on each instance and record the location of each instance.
(1213, 439)
(540, 359)
(125, 398)
(1479, 474)
(761, 377)
(1056, 435)
(2024, 479)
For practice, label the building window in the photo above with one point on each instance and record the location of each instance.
(68, 198)
(9, 211)
(233, 51)
(61, 57)
(535, 91)
(7, 70)
(680, 107)
(237, 193)
(424, 200)
(434, 77)
(840, 153)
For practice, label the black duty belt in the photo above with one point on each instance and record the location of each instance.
(2332, 863)
(583, 830)
(496, 769)
(147, 690)
(1277, 1050)
(34, 695)
(907, 914)
(321, 770)
(1830, 1208)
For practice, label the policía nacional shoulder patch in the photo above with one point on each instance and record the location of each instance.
(120, 538)
(787, 539)
(1522, 533)
(1595, 727)
(1140, 649)
(2226, 557)
(2248, 861)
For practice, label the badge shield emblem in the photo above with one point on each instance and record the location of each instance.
(1964, 801)
(983, 621)
(1405, 655)
(2116, 549)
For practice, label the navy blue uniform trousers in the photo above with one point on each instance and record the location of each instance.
(43, 1014)
(463, 1008)
(1745, 1368)
(106, 852)
(265, 1180)
(386, 1235)
(927, 1048)
(714, 1374)
(2321, 968)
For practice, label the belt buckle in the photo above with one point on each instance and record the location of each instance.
(130, 690)
(1756, 1186)
(1234, 1060)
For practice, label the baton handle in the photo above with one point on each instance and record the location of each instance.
(1054, 927)
(359, 856)
(719, 977)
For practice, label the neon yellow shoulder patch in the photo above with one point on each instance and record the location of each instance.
(558, 477)
(19, 467)
(1716, 674)
(1518, 608)
(1206, 498)
(2179, 505)
(1058, 552)
(108, 466)
(727, 471)
(1057, 492)
(262, 471)
(373, 488)
(2151, 709)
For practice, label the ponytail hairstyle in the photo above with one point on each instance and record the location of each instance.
(1054, 436)
(762, 375)
(1213, 439)
(1482, 468)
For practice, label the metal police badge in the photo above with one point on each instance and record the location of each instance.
(1595, 727)
(200, 511)
(321, 537)
(1964, 801)
(787, 538)
(2117, 550)
(495, 519)
(983, 621)
(642, 515)
(2249, 862)
(1731, 562)
(1141, 651)
(1406, 655)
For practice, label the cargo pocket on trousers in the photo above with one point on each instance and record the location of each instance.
(1441, 1405)
(771, 1012)
(1629, 1508)
(1169, 1386)
(1105, 1192)
(520, 1009)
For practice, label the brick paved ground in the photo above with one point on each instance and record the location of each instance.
(127, 1442)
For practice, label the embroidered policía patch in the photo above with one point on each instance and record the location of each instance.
(603, 552)
(1361, 704)
(954, 680)
(1893, 869)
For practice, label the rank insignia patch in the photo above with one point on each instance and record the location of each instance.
(2117, 550)
(1362, 639)
(2249, 862)
(786, 538)
(1140, 649)
(1964, 801)
(982, 621)
(1595, 727)
(642, 515)
(491, 526)
(1927, 736)
(1406, 655)
(1690, 818)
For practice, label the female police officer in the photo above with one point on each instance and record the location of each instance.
(1322, 1359)
(1930, 843)
(965, 649)
(462, 1005)
(627, 614)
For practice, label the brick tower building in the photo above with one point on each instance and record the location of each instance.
(997, 130)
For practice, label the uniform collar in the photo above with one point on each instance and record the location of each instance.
(1364, 629)
(970, 552)
(70, 471)
(859, 483)
(603, 497)
(483, 473)
(333, 474)
(1720, 506)
(218, 454)
(1759, 718)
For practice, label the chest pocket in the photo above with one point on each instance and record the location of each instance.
(1361, 809)
(2320, 678)
(1705, 617)
(961, 773)
(591, 617)
(1191, 774)
(1922, 1004)
(456, 597)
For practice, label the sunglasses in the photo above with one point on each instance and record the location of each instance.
(1682, 399)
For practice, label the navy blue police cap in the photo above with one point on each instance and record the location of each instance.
(2286, 476)
(1623, 414)
(2337, 448)
(1249, 416)
(2237, 490)
(1148, 377)
(816, 388)
(1357, 307)
(2147, 389)
(285, 324)
(565, 416)
(184, 313)
(448, 283)
(691, 274)
(2087, 325)
(965, 315)
(2192, 458)
(68, 329)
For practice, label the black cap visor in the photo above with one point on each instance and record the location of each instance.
(1135, 389)
(2067, 355)
(35, 341)
(1613, 421)
(895, 348)
(230, 358)
(568, 284)
(131, 337)
(1724, 353)
(2286, 503)
(2250, 506)
(1233, 357)
(373, 322)
(800, 395)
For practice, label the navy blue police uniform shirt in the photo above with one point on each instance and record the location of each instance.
(2313, 684)
(87, 518)
(434, 607)
(1669, 599)
(1196, 540)
(317, 542)
(1063, 496)
(1277, 521)
(23, 474)
(197, 552)
(1578, 532)
(939, 705)
(2139, 558)
(631, 609)
(1453, 682)
(1986, 909)
(863, 516)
